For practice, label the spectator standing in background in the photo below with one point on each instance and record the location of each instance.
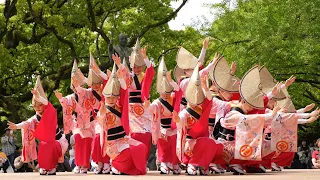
(71, 153)
(304, 154)
(8, 146)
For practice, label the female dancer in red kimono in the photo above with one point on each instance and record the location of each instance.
(220, 81)
(252, 97)
(186, 62)
(103, 162)
(164, 133)
(271, 158)
(128, 155)
(242, 133)
(224, 84)
(139, 85)
(43, 126)
(89, 103)
(271, 96)
(69, 102)
(193, 142)
(284, 132)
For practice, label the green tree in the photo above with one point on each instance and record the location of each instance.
(282, 35)
(44, 36)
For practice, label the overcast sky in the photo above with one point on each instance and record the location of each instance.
(191, 11)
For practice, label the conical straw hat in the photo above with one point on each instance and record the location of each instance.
(112, 87)
(163, 85)
(194, 93)
(251, 90)
(136, 57)
(186, 60)
(178, 73)
(39, 88)
(93, 78)
(222, 77)
(287, 102)
(268, 82)
(75, 72)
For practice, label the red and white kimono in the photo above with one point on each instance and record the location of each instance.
(267, 154)
(284, 136)
(68, 104)
(194, 147)
(242, 136)
(29, 151)
(139, 118)
(219, 110)
(164, 132)
(52, 144)
(128, 155)
(84, 129)
(96, 153)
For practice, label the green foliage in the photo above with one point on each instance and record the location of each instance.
(282, 35)
(44, 36)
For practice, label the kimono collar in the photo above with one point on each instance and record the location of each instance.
(140, 76)
(38, 116)
(197, 109)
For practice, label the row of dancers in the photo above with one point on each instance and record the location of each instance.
(206, 120)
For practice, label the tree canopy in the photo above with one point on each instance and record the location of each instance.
(44, 36)
(282, 35)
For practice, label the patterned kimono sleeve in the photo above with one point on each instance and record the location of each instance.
(181, 134)
(231, 120)
(183, 119)
(284, 136)
(67, 108)
(23, 124)
(221, 106)
(28, 141)
(155, 122)
(248, 133)
(205, 70)
(268, 118)
(101, 119)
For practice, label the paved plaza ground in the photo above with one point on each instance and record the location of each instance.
(301, 174)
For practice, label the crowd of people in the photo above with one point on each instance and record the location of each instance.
(206, 120)
(307, 156)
